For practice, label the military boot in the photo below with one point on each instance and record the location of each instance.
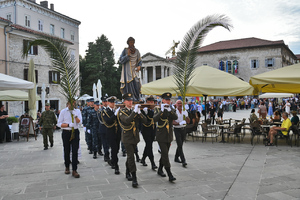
(95, 155)
(134, 180)
(170, 175)
(153, 166)
(143, 161)
(128, 175)
(160, 170)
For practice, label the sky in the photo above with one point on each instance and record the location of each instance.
(155, 24)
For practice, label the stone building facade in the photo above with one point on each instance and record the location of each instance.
(27, 21)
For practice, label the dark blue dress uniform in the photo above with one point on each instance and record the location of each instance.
(103, 135)
(164, 135)
(148, 130)
(93, 124)
(113, 134)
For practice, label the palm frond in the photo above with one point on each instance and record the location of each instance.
(61, 62)
(186, 59)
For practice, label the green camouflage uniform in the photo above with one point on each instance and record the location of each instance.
(47, 122)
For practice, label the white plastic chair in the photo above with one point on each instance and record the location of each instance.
(14, 129)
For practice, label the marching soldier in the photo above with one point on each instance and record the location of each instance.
(148, 132)
(88, 125)
(103, 130)
(93, 124)
(48, 123)
(129, 122)
(164, 117)
(84, 122)
(109, 119)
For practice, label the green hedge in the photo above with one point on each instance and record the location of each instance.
(11, 120)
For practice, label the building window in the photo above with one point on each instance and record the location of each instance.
(27, 20)
(73, 55)
(72, 35)
(41, 25)
(235, 67)
(51, 29)
(254, 64)
(269, 62)
(33, 50)
(221, 65)
(62, 33)
(228, 67)
(54, 77)
(26, 75)
(8, 16)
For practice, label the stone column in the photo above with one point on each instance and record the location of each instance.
(162, 69)
(154, 73)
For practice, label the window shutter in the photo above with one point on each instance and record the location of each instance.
(58, 77)
(26, 74)
(273, 62)
(50, 76)
(35, 50)
(36, 76)
(266, 62)
(257, 65)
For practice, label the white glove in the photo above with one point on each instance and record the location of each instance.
(139, 111)
(116, 112)
(84, 129)
(71, 125)
(162, 107)
(145, 110)
(168, 109)
(136, 108)
(182, 123)
(89, 131)
(185, 113)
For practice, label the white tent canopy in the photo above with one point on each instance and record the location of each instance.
(276, 95)
(12, 83)
(15, 95)
(85, 97)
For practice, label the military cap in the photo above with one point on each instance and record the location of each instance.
(91, 99)
(127, 96)
(88, 100)
(47, 104)
(150, 98)
(166, 95)
(111, 99)
(97, 103)
(104, 98)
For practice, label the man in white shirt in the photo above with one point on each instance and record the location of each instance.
(66, 124)
(180, 132)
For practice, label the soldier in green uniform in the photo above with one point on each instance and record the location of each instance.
(164, 117)
(129, 122)
(47, 122)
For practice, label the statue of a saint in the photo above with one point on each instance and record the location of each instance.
(131, 65)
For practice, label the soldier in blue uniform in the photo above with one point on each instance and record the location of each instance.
(84, 121)
(148, 132)
(93, 125)
(88, 126)
(109, 119)
(103, 130)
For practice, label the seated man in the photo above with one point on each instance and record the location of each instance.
(284, 129)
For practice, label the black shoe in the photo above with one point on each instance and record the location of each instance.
(143, 162)
(184, 164)
(106, 159)
(154, 167)
(45, 148)
(95, 155)
(177, 160)
(117, 171)
(134, 183)
(128, 176)
(161, 173)
(124, 154)
(100, 153)
(90, 152)
(113, 167)
(172, 178)
(51, 145)
(109, 163)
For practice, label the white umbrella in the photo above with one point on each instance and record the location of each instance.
(94, 92)
(32, 92)
(84, 97)
(12, 83)
(15, 95)
(99, 88)
(276, 95)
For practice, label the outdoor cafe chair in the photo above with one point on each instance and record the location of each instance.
(295, 135)
(256, 130)
(209, 131)
(287, 137)
(234, 132)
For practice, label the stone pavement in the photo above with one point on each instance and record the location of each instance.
(214, 171)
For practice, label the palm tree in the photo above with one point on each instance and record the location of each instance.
(63, 63)
(186, 59)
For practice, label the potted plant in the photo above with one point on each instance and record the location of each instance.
(11, 120)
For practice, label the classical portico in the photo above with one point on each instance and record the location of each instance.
(154, 68)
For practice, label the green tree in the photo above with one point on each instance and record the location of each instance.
(99, 63)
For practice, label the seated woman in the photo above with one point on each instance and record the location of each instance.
(295, 118)
(253, 117)
(286, 124)
(277, 117)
